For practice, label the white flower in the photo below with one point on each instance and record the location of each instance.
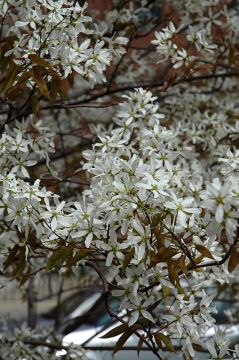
(53, 214)
(230, 162)
(19, 144)
(182, 208)
(179, 317)
(113, 247)
(199, 39)
(217, 197)
(138, 308)
(20, 164)
(217, 349)
(182, 58)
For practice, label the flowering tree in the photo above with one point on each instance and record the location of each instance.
(119, 137)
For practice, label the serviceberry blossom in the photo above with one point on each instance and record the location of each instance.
(145, 196)
(52, 30)
(139, 309)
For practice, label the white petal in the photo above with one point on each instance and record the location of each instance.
(219, 213)
(147, 315)
(109, 259)
(134, 317)
(88, 240)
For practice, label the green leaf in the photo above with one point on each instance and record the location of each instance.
(160, 337)
(116, 331)
(122, 340)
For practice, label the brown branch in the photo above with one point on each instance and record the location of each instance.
(80, 105)
(111, 348)
(53, 346)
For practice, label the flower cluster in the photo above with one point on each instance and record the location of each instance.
(23, 146)
(22, 343)
(60, 33)
(156, 185)
(145, 199)
(167, 47)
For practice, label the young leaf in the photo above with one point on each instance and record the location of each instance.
(71, 79)
(25, 277)
(204, 251)
(128, 258)
(37, 76)
(172, 272)
(35, 104)
(158, 340)
(156, 220)
(11, 256)
(11, 77)
(58, 257)
(139, 347)
(54, 89)
(80, 254)
(116, 331)
(165, 291)
(22, 261)
(39, 61)
(165, 254)
(233, 259)
(122, 340)
(182, 264)
(160, 337)
(162, 255)
(24, 77)
(58, 85)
